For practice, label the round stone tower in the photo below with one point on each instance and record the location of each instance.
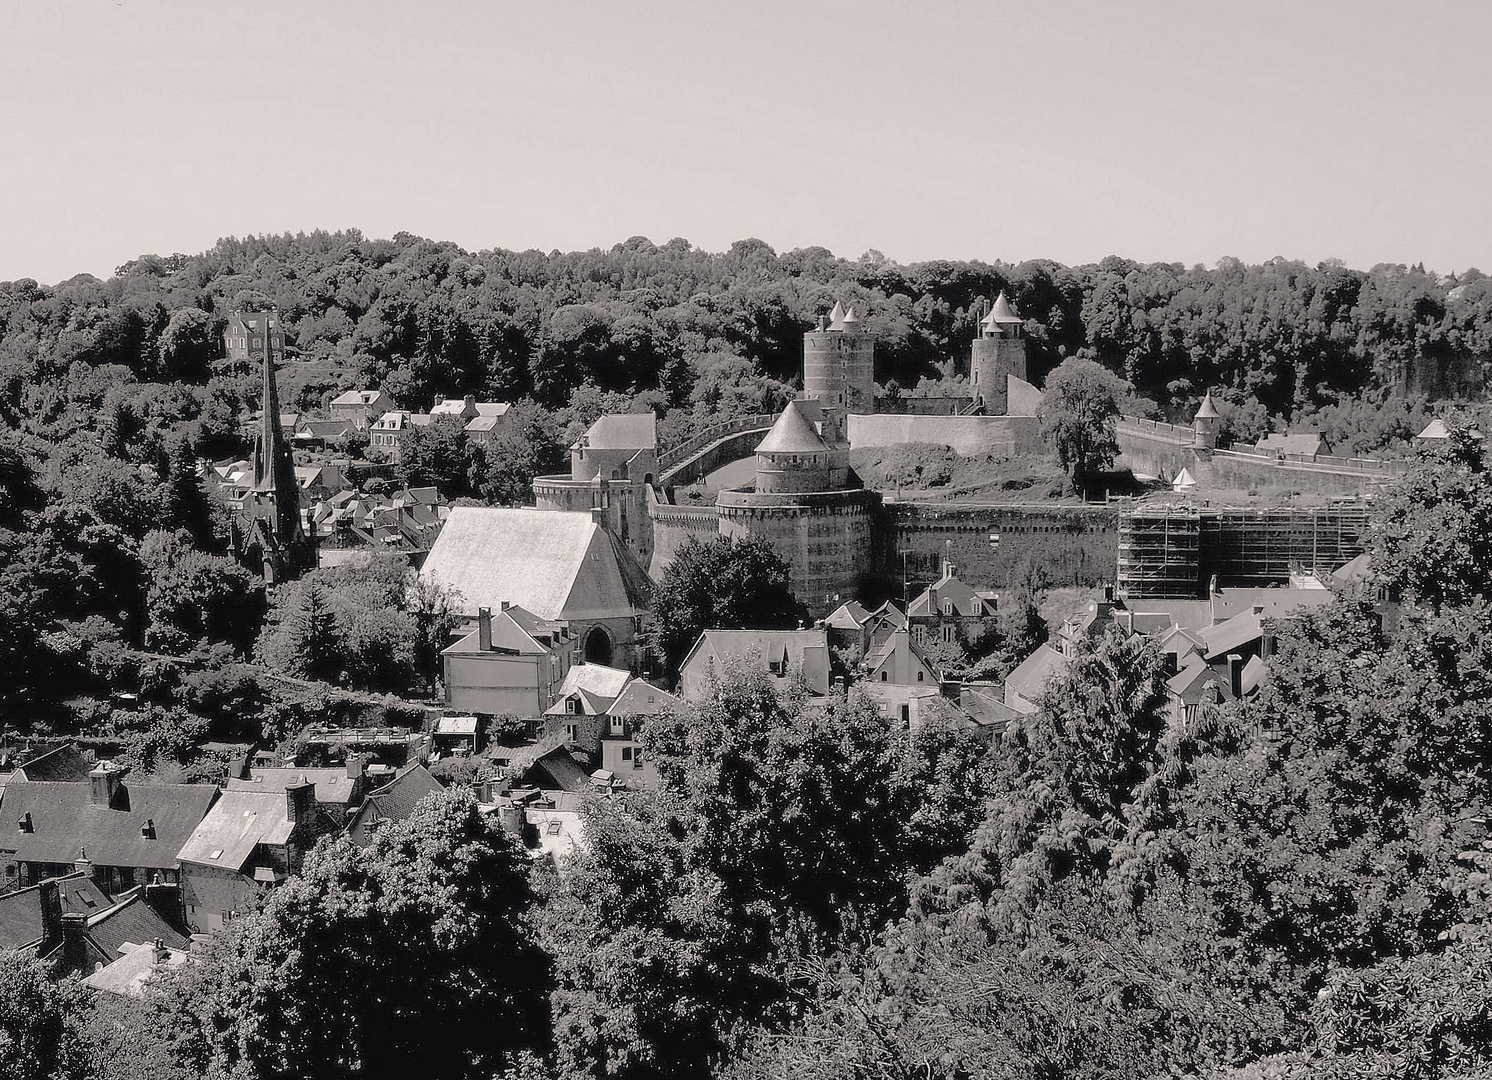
(803, 504)
(839, 364)
(999, 351)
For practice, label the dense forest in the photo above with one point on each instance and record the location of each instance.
(693, 333)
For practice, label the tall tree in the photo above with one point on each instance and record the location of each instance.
(1080, 402)
(723, 582)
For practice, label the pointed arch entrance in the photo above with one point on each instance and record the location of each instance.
(598, 649)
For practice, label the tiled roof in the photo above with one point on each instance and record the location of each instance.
(641, 698)
(64, 821)
(555, 563)
(20, 911)
(965, 600)
(356, 397)
(848, 616)
(239, 822)
(132, 970)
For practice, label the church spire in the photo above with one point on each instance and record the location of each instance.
(274, 469)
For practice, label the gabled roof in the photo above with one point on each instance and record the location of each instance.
(493, 408)
(792, 434)
(240, 822)
(641, 698)
(357, 397)
(134, 967)
(1275, 602)
(507, 636)
(1232, 634)
(557, 769)
(20, 911)
(65, 822)
(558, 564)
(65, 764)
(848, 616)
(1188, 683)
(395, 801)
(1252, 675)
(965, 600)
(599, 679)
(132, 920)
(623, 431)
(884, 653)
(1028, 680)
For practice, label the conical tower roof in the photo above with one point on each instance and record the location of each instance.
(1002, 312)
(850, 319)
(836, 317)
(1206, 410)
(792, 434)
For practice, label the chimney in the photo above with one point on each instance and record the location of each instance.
(1235, 675)
(484, 629)
(103, 784)
(83, 864)
(439, 398)
(300, 800)
(158, 952)
(50, 896)
(469, 400)
(74, 926)
(356, 763)
(1108, 594)
(503, 605)
(165, 899)
(511, 816)
(947, 569)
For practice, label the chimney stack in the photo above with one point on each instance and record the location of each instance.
(103, 784)
(356, 763)
(300, 800)
(49, 894)
(484, 629)
(74, 926)
(1235, 675)
(469, 400)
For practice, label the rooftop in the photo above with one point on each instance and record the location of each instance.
(792, 434)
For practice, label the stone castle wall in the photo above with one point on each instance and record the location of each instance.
(827, 539)
(672, 525)
(972, 436)
(839, 369)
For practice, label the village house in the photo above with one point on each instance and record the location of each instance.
(784, 655)
(391, 803)
(622, 753)
(512, 663)
(490, 422)
(120, 834)
(951, 612)
(358, 407)
(338, 790)
(899, 660)
(562, 566)
(248, 843)
(386, 434)
(620, 446)
(251, 334)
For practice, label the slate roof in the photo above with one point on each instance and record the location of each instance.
(558, 564)
(129, 973)
(1188, 683)
(20, 911)
(333, 786)
(1028, 680)
(356, 397)
(792, 434)
(771, 645)
(642, 698)
(623, 431)
(395, 801)
(1232, 634)
(848, 616)
(965, 600)
(133, 920)
(239, 822)
(1252, 675)
(64, 821)
(1003, 311)
(65, 764)
(598, 679)
(1206, 410)
(557, 769)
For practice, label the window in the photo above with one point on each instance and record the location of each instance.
(919, 676)
(884, 677)
(572, 705)
(570, 732)
(949, 632)
(618, 725)
(626, 753)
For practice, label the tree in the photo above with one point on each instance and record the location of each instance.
(504, 469)
(193, 597)
(1432, 537)
(723, 582)
(39, 1020)
(1080, 400)
(435, 454)
(413, 955)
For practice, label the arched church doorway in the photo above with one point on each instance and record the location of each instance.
(598, 646)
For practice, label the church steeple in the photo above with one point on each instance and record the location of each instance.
(274, 503)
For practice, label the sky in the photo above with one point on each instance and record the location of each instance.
(1178, 132)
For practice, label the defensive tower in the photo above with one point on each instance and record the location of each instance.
(1205, 423)
(839, 365)
(999, 351)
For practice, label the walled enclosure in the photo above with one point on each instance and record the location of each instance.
(972, 436)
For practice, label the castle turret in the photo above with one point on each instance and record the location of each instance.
(793, 457)
(839, 364)
(998, 352)
(1205, 424)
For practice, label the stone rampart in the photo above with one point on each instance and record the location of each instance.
(672, 524)
(972, 436)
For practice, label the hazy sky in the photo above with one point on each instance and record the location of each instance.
(1169, 131)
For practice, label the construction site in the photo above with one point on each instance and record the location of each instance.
(1175, 550)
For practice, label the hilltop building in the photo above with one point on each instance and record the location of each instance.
(998, 354)
(251, 335)
(612, 469)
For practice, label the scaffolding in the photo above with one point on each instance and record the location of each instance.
(1174, 551)
(1159, 550)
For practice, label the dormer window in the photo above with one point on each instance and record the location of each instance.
(24, 824)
